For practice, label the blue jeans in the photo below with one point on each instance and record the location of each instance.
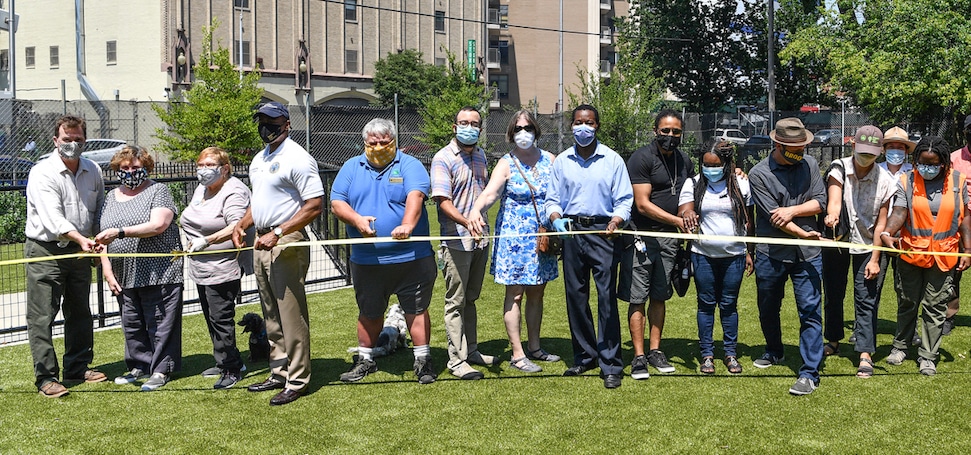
(717, 281)
(771, 276)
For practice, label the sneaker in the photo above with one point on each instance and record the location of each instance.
(131, 377)
(896, 356)
(658, 360)
(638, 368)
(927, 367)
(227, 379)
(215, 372)
(424, 370)
(360, 370)
(157, 380)
(767, 360)
(803, 386)
(947, 326)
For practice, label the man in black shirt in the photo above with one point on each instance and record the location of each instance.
(788, 192)
(657, 173)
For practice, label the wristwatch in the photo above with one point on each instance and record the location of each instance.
(278, 231)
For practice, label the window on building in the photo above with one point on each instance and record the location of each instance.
(350, 62)
(4, 60)
(111, 52)
(55, 57)
(503, 47)
(440, 21)
(439, 61)
(241, 4)
(29, 56)
(503, 16)
(350, 10)
(246, 59)
(501, 82)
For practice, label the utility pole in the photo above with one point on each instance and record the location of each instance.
(771, 69)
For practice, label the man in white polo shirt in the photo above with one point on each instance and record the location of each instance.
(287, 195)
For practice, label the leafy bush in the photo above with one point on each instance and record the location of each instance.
(13, 216)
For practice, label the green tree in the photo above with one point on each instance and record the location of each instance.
(217, 110)
(900, 61)
(453, 93)
(626, 108)
(691, 45)
(406, 74)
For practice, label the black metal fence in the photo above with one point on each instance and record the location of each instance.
(329, 266)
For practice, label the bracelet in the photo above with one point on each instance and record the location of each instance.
(121, 233)
(885, 233)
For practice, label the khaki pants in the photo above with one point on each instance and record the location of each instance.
(463, 273)
(280, 275)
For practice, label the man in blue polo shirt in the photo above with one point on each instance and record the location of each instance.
(380, 194)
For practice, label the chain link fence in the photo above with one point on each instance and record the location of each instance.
(26, 129)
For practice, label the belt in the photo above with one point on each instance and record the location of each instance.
(269, 230)
(587, 221)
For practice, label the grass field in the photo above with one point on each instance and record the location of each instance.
(897, 410)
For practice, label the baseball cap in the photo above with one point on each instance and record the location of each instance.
(273, 109)
(868, 139)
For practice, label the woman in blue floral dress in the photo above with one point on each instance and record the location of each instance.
(515, 262)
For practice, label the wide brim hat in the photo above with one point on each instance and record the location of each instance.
(897, 134)
(790, 131)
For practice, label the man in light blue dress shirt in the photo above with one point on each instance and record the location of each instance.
(591, 191)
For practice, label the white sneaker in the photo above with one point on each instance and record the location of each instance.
(130, 377)
(157, 380)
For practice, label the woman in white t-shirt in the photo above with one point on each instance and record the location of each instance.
(718, 202)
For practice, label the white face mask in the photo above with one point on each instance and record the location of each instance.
(524, 139)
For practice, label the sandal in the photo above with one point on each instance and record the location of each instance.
(707, 366)
(733, 366)
(542, 356)
(525, 365)
(866, 368)
(831, 348)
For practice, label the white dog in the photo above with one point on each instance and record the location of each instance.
(393, 335)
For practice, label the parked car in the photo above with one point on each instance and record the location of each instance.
(732, 135)
(827, 137)
(98, 150)
(14, 170)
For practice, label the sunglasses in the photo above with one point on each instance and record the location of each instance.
(674, 131)
(527, 128)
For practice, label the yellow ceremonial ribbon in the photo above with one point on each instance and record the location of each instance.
(367, 240)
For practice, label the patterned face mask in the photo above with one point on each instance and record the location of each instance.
(380, 155)
(132, 179)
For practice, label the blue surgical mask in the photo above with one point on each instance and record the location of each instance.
(713, 174)
(584, 134)
(467, 135)
(896, 157)
(929, 171)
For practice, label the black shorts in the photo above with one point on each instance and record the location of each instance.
(413, 282)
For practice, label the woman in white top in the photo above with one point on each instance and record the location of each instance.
(718, 202)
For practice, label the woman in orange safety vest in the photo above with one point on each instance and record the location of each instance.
(931, 212)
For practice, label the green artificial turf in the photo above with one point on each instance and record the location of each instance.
(897, 410)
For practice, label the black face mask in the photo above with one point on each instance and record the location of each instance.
(269, 132)
(668, 143)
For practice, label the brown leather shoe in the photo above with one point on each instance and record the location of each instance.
(286, 396)
(53, 389)
(270, 383)
(89, 376)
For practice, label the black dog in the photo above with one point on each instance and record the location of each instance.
(259, 346)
